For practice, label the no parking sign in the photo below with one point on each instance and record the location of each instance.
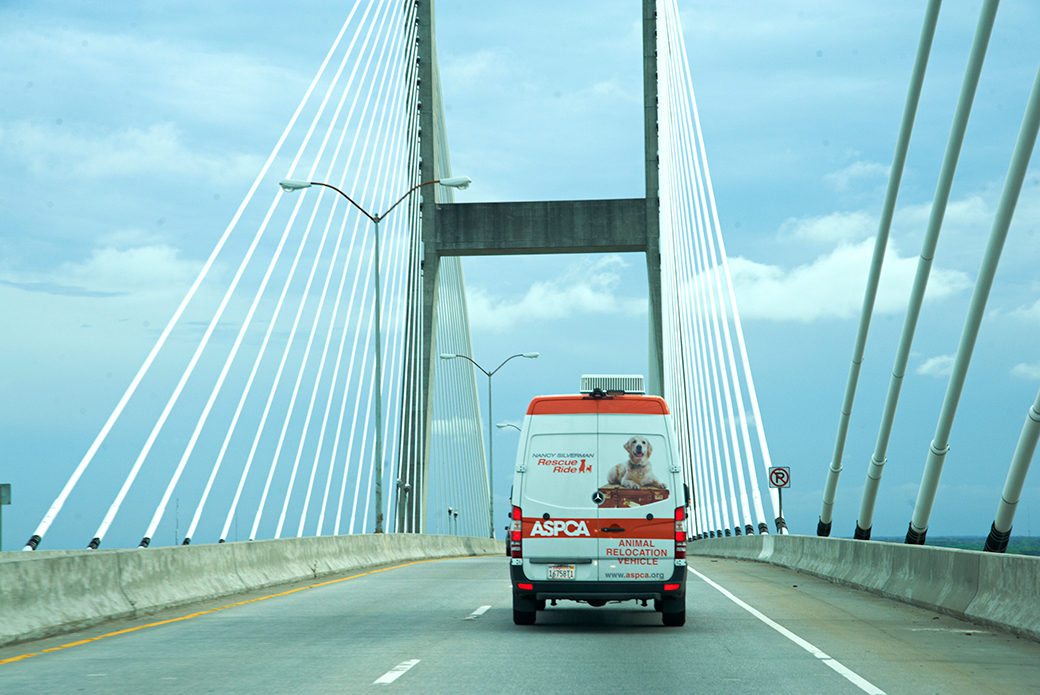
(780, 476)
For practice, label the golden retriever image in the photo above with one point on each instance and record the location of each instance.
(635, 473)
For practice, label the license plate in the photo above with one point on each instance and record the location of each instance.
(561, 572)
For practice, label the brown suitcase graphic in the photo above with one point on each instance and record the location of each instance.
(616, 496)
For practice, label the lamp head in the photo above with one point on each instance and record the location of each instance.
(531, 355)
(446, 356)
(459, 182)
(290, 185)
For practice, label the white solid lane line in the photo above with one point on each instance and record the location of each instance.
(860, 682)
(477, 613)
(395, 673)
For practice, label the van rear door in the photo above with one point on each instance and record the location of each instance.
(636, 502)
(559, 514)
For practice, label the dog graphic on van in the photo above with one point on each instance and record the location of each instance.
(635, 473)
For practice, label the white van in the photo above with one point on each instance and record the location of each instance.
(599, 504)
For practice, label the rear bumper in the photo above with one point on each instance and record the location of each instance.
(598, 590)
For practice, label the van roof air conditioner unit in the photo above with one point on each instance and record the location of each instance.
(613, 383)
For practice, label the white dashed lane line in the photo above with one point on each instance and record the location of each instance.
(477, 613)
(395, 673)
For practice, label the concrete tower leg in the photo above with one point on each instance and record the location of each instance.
(417, 413)
(655, 378)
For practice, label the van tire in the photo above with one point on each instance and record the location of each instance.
(677, 619)
(524, 617)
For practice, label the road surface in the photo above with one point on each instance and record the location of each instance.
(446, 627)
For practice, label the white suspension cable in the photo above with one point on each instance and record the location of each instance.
(245, 394)
(347, 383)
(694, 194)
(317, 384)
(332, 322)
(712, 216)
(329, 333)
(393, 108)
(241, 334)
(266, 340)
(161, 508)
(307, 351)
(285, 354)
(725, 349)
(278, 377)
(371, 382)
(59, 502)
(746, 363)
(332, 387)
(395, 243)
(175, 396)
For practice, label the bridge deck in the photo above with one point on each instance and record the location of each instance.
(344, 636)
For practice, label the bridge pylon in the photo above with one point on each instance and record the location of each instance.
(451, 230)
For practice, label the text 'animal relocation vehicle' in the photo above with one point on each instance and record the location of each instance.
(599, 504)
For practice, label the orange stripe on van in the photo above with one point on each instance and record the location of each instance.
(662, 528)
(574, 405)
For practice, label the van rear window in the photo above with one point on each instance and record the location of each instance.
(583, 471)
(561, 470)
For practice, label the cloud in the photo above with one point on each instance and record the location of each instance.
(972, 212)
(941, 365)
(145, 268)
(1030, 314)
(589, 287)
(98, 71)
(471, 70)
(102, 105)
(612, 90)
(832, 286)
(89, 317)
(830, 229)
(117, 278)
(71, 153)
(57, 289)
(840, 180)
(1029, 372)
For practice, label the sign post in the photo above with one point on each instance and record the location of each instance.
(5, 498)
(780, 477)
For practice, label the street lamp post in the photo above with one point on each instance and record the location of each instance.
(5, 498)
(460, 182)
(491, 468)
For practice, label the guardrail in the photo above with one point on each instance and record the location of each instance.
(45, 593)
(991, 589)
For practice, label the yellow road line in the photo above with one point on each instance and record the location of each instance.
(212, 610)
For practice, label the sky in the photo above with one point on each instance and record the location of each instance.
(130, 131)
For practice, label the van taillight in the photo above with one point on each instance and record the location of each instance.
(680, 533)
(515, 542)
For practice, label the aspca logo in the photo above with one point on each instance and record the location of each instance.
(553, 528)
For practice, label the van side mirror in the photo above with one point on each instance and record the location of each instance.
(686, 489)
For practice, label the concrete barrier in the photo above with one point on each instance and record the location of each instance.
(71, 590)
(940, 579)
(1001, 577)
(867, 565)
(46, 593)
(996, 590)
